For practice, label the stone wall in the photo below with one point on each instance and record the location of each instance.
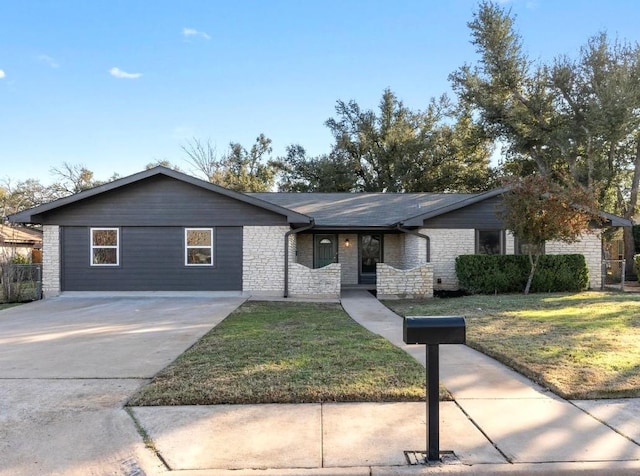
(320, 283)
(393, 283)
(590, 246)
(51, 260)
(446, 245)
(263, 259)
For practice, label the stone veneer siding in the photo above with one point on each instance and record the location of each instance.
(393, 283)
(305, 250)
(263, 259)
(50, 260)
(590, 246)
(446, 245)
(348, 257)
(415, 250)
(321, 282)
(393, 250)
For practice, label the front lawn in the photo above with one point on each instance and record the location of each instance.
(581, 346)
(280, 352)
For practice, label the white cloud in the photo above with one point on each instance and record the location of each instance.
(187, 32)
(2, 75)
(49, 61)
(118, 73)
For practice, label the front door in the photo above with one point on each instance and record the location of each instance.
(326, 250)
(370, 255)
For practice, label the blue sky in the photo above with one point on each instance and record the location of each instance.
(117, 84)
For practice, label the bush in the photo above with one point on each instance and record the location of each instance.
(636, 264)
(488, 274)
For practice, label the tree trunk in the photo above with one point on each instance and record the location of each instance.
(534, 265)
(629, 245)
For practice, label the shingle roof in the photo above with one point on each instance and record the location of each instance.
(363, 209)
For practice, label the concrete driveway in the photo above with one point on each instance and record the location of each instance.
(68, 365)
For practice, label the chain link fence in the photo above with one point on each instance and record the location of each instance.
(613, 273)
(20, 282)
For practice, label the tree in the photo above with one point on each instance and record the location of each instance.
(325, 173)
(240, 169)
(25, 194)
(162, 163)
(537, 210)
(599, 96)
(204, 157)
(506, 91)
(400, 150)
(574, 118)
(74, 178)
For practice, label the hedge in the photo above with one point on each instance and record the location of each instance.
(488, 274)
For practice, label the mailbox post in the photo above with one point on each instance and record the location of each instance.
(433, 331)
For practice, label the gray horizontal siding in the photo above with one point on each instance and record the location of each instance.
(161, 201)
(482, 215)
(152, 259)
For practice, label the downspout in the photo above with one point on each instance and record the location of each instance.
(413, 232)
(286, 253)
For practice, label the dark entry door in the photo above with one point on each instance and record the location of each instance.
(326, 250)
(370, 255)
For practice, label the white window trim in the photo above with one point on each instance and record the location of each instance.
(93, 247)
(187, 247)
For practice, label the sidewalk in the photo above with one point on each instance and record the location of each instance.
(500, 423)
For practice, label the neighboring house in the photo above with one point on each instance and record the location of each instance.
(161, 230)
(20, 241)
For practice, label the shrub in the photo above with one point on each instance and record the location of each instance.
(487, 274)
(636, 263)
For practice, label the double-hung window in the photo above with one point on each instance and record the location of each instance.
(198, 250)
(105, 246)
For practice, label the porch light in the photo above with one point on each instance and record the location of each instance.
(347, 243)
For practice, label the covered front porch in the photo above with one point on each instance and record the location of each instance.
(393, 263)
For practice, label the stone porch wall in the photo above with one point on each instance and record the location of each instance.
(263, 259)
(50, 260)
(393, 283)
(590, 246)
(320, 283)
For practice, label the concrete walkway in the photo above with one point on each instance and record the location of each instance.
(500, 423)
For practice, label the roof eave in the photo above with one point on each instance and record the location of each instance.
(27, 216)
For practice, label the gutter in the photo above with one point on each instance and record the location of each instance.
(413, 232)
(286, 253)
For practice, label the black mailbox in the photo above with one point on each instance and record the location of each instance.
(433, 330)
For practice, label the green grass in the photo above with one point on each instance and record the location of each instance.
(287, 353)
(584, 345)
(8, 305)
